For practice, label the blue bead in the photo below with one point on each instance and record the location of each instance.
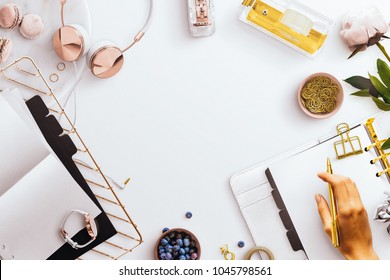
(182, 257)
(168, 256)
(179, 242)
(186, 249)
(186, 242)
(188, 257)
(181, 251)
(176, 248)
(163, 256)
(188, 215)
(241, 244)
(165, 229)
(164, 242)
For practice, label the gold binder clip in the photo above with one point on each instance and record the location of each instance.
(347, 146)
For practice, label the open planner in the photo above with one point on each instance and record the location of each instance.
(277, 201)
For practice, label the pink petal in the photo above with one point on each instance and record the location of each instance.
(355, 36)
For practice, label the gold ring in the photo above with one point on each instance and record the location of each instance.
(265, 250)
(54, 77)
(61, 66)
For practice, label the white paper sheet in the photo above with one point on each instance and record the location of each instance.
(32, 211)
(20, 148)
(297, 182)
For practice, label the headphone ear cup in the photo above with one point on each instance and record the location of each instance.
(71, 42)
(105, 59)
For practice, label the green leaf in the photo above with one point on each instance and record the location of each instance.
(362, 93)
(373, 91)
(383, 90)
(381, 104)
(386, 145)
(384, 72)
(359, 82)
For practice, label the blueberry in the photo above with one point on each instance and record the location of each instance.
(160, 247)
(191, 251)
(241, 244)
(163, 242)
(186, 249)
(178, 236)
(163, 256)
(168, 249)
(168, 256)
(179, 242)
(161, 251)
(182, 257)
(194, 256)
(192, 243)
(188, 257)
(175, 254)
(172, 235)
(186, 242)
(181, 251)
(176, 248)
(165, 229)
(188, 215)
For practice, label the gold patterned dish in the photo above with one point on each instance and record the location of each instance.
(320, 95)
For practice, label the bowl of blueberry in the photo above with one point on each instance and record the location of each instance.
(177, 244)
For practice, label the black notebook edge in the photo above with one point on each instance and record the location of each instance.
(64, 148)
(291, 232)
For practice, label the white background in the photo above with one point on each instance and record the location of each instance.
(185, 114)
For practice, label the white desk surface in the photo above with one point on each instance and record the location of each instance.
(185, 114)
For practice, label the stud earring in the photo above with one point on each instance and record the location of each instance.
(5, 49)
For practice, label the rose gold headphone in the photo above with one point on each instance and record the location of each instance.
(105, 59)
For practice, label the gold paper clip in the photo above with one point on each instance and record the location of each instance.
(347, 146)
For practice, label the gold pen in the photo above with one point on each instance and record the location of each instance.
(333, 209)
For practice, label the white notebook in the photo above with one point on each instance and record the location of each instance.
(295, 177)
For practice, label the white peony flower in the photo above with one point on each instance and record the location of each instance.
(363, 28)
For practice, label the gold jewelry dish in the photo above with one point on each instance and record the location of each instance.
(26, 74)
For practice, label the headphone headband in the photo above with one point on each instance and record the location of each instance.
(137, 37)
(71, 42)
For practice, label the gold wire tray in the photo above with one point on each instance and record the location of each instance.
(27, 75)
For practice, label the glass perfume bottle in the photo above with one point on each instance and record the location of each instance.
(201, 17)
